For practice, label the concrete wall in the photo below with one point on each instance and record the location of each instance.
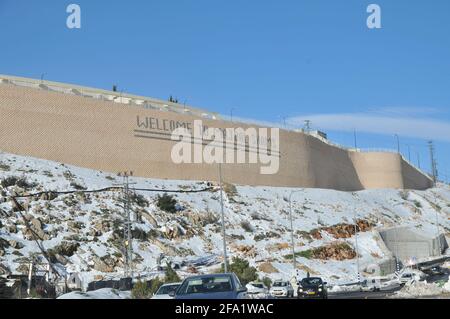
(405, 243)
(102, 135)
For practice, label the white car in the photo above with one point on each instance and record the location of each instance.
(256, 289)
(164, 291)
(282, 289)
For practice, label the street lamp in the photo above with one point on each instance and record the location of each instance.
(292, 229)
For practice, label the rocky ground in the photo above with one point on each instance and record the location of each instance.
(83, 232)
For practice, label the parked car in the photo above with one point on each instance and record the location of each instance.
(435, 271)
(257, 288)
(214, 286)
(165, 290)
(312, 287)
(282, 289)
(408, 277)
(371, 285)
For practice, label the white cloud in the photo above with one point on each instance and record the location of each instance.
(424, 128)
(405, 111)
(405, 121)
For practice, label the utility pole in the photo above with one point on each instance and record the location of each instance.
(354, 136)
(398, 143)
(231, 114)
(225, 259)
(30, 277)
(438, 238)
(409, 154)
(418, 159)
(434, 172)
(128, 240)
(356, 245)
(283, 119)
(294, 262)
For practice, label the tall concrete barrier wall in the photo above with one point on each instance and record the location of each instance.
(114, 137)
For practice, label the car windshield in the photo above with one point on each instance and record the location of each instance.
(208, 284)
(258, 285)
(280, 284)
(165, 290)
(311, 282)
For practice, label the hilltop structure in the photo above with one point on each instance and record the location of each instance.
(113, 131)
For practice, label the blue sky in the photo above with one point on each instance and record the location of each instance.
(266, 60)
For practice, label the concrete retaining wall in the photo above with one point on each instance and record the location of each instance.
(103, 135)
(406, 243)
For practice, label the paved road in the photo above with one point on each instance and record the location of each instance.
(363, 294)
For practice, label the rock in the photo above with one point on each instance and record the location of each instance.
(268, 268)
(105, 264)
(149, 218)
(65, 249)
(166, 249)
(36, 224)
(94, 232)
(75, 226)
(23, 269)
(60, 259)
(12, 229)
(334, 251)
(173, 232)
(98, 277)
(103, 226)
(4, 270)
(15, 244)
(247, 251)
(4, 243)
(49, 196)
(341, 231)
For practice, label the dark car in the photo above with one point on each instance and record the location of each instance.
(312, 287)
(435, 271)
(216, 286)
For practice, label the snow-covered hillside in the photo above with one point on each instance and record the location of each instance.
(83, 230)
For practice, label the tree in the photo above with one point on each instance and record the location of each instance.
(141, 290)
(171, 275)
(167, 203)
(242, 269)
(267, 281)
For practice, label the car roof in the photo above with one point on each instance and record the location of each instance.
(171, 284)
(210, 276)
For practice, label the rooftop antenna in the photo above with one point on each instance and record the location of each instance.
(307, 127)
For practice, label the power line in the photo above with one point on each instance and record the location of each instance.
(112, 189)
